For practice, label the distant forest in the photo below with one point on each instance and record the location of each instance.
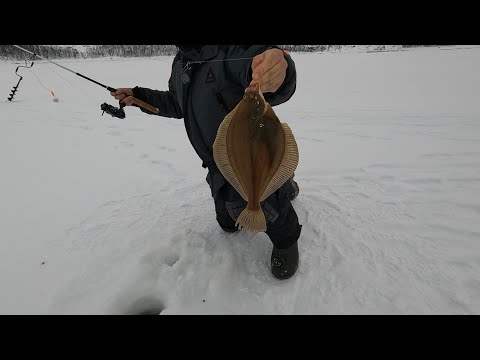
(96, 51)
(88, 51)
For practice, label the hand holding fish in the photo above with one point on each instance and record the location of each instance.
(269, 70)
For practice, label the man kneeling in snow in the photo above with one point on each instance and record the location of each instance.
(206, 83)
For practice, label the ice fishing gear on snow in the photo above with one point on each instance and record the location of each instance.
(15, 88)
(109, 109)
(55, 99)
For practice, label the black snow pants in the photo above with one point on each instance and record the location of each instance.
(283, 228)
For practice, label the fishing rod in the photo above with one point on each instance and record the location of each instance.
(109, 109)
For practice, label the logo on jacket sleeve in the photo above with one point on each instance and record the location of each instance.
(210, 76)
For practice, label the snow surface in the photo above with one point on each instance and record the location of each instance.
(106, 216)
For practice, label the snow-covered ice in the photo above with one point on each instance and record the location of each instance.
(106, 216)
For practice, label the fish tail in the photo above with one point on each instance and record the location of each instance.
(252, 220)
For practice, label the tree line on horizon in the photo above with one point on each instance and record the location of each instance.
(98, 51)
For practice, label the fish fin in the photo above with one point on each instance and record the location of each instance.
(220, 155)
(252, 220)
(287, 167)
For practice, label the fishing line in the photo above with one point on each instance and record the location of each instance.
(33, 72)
(75, 85)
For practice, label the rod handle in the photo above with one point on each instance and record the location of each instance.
(146, 106)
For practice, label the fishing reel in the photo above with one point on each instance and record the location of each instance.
(114, 111)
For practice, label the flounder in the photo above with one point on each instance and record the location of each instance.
(256, 154)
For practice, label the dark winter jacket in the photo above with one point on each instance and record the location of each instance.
(202, 90)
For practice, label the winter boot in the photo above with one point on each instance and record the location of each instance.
(284, 262)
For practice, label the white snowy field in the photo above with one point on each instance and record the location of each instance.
(106, 216)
